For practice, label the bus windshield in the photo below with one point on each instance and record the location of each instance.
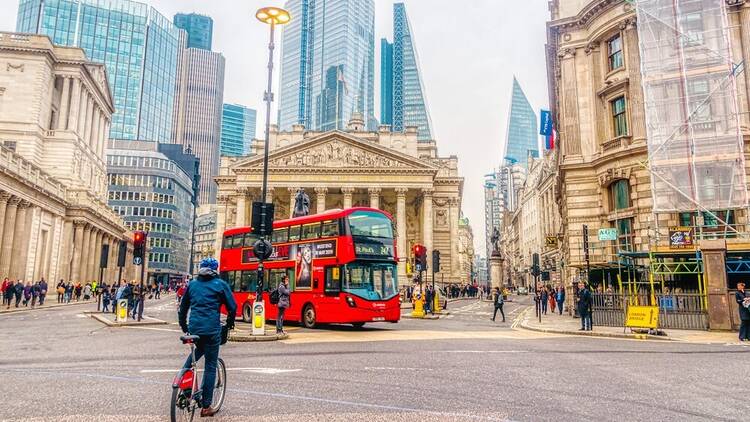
(371, 281)
(370, 224)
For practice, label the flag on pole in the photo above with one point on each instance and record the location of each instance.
(550, 140)
(547, 129)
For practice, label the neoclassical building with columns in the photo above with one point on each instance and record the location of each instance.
(340, 169)
(55, 112)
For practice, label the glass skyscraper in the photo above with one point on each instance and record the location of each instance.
(199, 29)
(237, 129)
(402, 97)
(523, 136)
(139, 47)
(328, 64)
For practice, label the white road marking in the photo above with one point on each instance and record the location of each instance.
(482, 351)
(386, 368)
(270, 371)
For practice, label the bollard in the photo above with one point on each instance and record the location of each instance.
(259, 318)
(418, 311)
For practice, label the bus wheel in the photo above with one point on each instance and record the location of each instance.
(358, 324)
(308, 316)
(247, 313)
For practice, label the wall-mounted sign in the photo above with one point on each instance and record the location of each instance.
(607, 234)
(680, 237)
(550, 241)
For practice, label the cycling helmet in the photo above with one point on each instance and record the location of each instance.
(211, 263)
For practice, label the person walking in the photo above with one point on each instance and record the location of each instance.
(584, 306)
(499, 302)
(68, 292)
(283, 304)
(552, 300)
(27, 294)
(560, 299)
(5, 290)
(35, 293)
(42, 291)
(87, 291)
(544, 300)
(743, 302)
(19, 292)
(106, 297)
(60, 291)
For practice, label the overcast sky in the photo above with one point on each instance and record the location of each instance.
(469, 51)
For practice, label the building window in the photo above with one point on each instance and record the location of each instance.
(625, 236)
(614, 48)
(699, 97)
(619, 117)
(692, 29)
(619, 193)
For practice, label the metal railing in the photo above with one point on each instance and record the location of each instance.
(684, 311)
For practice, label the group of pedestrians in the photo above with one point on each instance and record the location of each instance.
(23, 294)
(69, 291)
(550, 298)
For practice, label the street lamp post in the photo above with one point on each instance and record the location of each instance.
(272, 16)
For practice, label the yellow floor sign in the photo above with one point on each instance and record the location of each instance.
(642, 317)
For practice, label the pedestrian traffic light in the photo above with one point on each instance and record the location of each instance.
(535, 264)
(139, 244)
(436, 261)
(420, 257)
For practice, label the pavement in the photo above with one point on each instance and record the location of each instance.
(464, 367)
(47, 305)
(565, 324)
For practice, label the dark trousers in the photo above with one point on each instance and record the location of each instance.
(207, 346)
(560, 307)
(745, 330)
(498, 308)
(544, 307)
(41, 299)
(280, 320)
(586, 322)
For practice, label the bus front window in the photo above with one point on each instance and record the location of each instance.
(371, 281)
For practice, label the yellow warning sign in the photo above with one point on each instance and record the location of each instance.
(642, 317)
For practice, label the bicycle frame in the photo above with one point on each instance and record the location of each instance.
(187, 377)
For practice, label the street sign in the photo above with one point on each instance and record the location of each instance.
(550, 241)
(680, 237)
(642, 317)
(137, 260)
(607, 234)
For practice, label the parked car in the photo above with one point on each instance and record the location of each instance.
(522, 291)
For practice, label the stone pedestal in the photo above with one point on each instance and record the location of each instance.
(496, 270)
(715, 273)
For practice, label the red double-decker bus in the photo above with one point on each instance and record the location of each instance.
(341, 267)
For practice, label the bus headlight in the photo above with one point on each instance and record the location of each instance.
(350, 302)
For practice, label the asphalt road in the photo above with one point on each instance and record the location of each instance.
(59, 365)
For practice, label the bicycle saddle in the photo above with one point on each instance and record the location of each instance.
(189, 339)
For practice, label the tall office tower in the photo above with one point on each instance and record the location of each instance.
(200, 95)
(501, 196)
(199, 29)
(237, 129)
(328, 64)
(139, 47)
(402, 95)
(522, 137)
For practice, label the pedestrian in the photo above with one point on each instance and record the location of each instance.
(283, 304)
(560, 299)
(544, 300)
(87, 291)
(5, 290)
(499, 302)
(27, 294)
(157, 291)
(106, 297)
(68, 292)
(112, 294)
(42, 291)
(35, 293)
(552, 300)
(743, 303)
(141, 304)
(77, 290)
(60, 291)
(584, 306)
(428, 300)
(19, 292)
(133, 301)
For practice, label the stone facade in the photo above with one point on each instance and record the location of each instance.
(465, 251)
(205, 234)
(597, 160)
(55, 111)
(341, 169)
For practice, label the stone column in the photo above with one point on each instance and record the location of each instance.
(75, 105)
(11, 211)
(636, 110)
(453, 214)
(427, 228)
(348, 192)
(94, 140)
(269, 195)
(66, 251)
(20, 241)
(374, 197)
(292, 192)
(569, 127)
(82, 115)
(78, 242)
(715, 273)
(320, 200)
(221, 222)
(100, 138)
(62, 117)
(241, 219)
(84, 256)
(96, 252)
(4, 198)
(403, 253)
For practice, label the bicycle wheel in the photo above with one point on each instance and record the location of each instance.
(182, 409)
(220, 386)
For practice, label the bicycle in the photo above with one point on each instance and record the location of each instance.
(186, 394)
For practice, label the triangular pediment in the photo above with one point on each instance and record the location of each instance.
(338, 150)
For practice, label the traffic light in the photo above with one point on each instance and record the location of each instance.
(139, 246)
(436, 261)
(535, 265)
(420, 257)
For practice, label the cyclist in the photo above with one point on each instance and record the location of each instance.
(203, 297)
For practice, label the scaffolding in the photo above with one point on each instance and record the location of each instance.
(695, 148)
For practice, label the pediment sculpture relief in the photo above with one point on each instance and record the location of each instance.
(336, 154)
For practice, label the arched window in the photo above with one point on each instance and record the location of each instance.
(619, 194)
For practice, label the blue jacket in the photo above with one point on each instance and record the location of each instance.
(203, 298)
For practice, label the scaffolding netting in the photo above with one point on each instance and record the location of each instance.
(695, 148)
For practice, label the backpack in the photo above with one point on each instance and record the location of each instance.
(274, 297)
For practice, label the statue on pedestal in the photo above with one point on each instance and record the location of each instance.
(495, 240)
(301, 203)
